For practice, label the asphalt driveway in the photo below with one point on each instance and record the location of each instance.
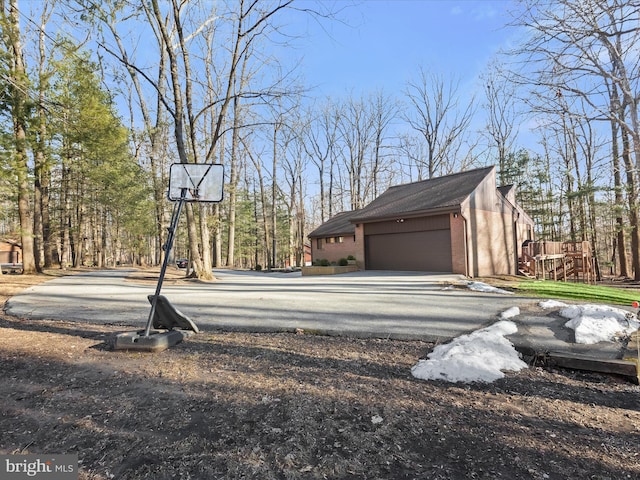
(401, 305)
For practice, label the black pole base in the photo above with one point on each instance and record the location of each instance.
(165, 315)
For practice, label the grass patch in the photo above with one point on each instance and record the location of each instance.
(577, 291)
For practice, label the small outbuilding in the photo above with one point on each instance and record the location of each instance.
(10, 255)
(460, 223)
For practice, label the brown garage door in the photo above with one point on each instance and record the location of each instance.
(415, 244)
(415, 251)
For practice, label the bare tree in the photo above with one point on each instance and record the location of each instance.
(234, 164)
(585, 49)
(294, 161)
(362, 126)
(620, 242)
(216, 72)
(320, 137)
(151, 109)
(414, 153)
(263, 216)
(251, 22)
(356, 135)
(501, 114)
(384, 112)
(436, 113)
(113, 21)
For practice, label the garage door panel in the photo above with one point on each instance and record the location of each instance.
(428, 251)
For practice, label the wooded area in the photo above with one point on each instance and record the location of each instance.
(99, 98)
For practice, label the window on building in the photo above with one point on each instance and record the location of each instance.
(331, 240)
(319, 243)
(339, 239)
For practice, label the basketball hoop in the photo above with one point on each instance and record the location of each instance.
(188, 182)
(203, 182)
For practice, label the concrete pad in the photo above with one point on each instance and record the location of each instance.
(156, 341)
(380, 304)
(399, 305)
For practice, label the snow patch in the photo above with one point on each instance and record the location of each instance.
(546, 304)
(510, 313)
(483, 287)
(599, 323)
(483, 356)
(479, 356)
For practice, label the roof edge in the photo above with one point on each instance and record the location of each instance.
(464, 172)
(331, 234)
(457, 208)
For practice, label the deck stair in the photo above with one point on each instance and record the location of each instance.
(564, 261)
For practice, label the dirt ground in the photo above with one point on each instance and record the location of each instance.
(286, 406)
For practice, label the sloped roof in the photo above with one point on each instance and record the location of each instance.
(508, 192)
(11, 242)
(433, 194)
(339, 224)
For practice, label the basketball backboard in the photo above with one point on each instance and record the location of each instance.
(200, 182)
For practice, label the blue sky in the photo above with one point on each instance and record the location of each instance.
(383, 43)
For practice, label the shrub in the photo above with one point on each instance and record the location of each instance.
(324, 262)
(258, 268)
(343, 262)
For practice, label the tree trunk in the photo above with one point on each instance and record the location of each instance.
(620, 241)
(38, 236)
(263, 201)
(632, 196)
(274, 199)
(217, 235)
(301, 217)
(64, 217)
(205, 237)
(18, 91)
(233, 184)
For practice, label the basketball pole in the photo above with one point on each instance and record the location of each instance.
(167, 250)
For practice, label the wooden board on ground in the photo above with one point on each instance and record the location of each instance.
(627, 368)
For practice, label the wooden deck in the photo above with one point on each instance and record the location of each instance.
(558, 261)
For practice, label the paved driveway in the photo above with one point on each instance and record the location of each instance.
(404, 305)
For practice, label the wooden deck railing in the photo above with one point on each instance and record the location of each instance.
(534, 249)
(558, 260)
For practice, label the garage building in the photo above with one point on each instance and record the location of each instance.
(460, 223)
